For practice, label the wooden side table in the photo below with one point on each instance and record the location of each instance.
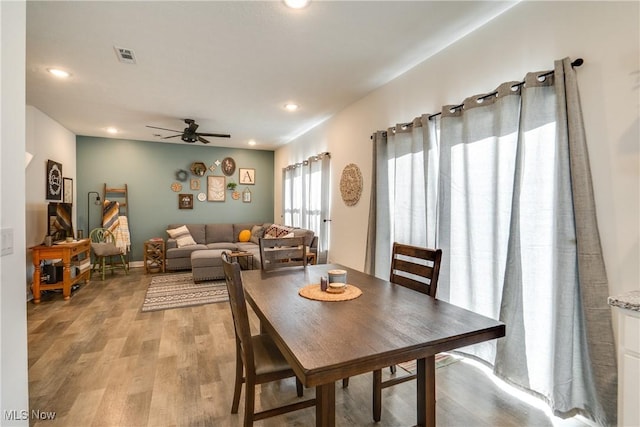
(248, 258)
(154, 250)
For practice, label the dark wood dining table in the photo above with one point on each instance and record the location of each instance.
(386, 325)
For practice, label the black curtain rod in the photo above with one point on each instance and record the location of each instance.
(578, 62)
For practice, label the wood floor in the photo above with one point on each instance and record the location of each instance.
(96, 360)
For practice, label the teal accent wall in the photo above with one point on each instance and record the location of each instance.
(149, 168)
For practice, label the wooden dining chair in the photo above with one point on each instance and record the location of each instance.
(415, 268)
(107, 256)
(282, 252)
(258, 359)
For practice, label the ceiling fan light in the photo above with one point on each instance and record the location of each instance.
(59, 73)
(297, 4)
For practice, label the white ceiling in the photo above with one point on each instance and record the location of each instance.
(230, 65)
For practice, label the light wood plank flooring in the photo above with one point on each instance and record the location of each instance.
(96, 360)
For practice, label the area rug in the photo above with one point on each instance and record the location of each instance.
(178, 290)
(442, 360)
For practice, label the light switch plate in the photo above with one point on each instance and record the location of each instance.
(6, 237)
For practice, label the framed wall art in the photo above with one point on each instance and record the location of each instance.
(54, 181)
(246, 196)
(67, 191)
(185, 201)
(216, 186)
(247, 176)
(195, 184)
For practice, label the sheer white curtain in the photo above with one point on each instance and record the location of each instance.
(514, 215)
(306, 198)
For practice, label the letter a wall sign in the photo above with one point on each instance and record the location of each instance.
(247, 176)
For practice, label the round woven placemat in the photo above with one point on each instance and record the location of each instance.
(313, 292)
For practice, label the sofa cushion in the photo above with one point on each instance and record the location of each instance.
(223, 245)
(237, 228)
(277, 231)
(182, 236)
(219, 233)
(196, 230)
(306, 234)
(207, 258)
(257, 232)
(184, 252)
(244, 236)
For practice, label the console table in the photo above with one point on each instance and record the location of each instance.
(75, 253)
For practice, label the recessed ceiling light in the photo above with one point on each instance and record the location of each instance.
(291, 106)
(297, 4)
(252, 142)
(59, 73)
(112, 130)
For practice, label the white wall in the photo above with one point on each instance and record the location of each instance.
(46, 139)
(528, 37)
(14, 391)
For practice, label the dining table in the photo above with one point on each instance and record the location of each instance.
(387, 324)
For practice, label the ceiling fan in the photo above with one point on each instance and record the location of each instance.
(189, 133)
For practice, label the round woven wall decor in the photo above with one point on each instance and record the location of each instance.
(351, 184)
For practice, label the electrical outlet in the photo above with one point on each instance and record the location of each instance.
(6, 237)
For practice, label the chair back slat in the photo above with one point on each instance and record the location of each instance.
(238, 305)
(282, 252)
(416, 268)
(101, 235)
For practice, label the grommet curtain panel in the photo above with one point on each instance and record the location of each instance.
(503, 187)
(305, 189)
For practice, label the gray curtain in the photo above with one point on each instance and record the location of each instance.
(306, 200)
(515, 218)
(321, 194)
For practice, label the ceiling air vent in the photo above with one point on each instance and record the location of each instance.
(125, 55)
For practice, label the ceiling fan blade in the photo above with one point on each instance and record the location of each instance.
(201, 139)
(155, 127)
(172, 136)
(217, 135)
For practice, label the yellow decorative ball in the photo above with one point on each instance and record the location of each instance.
(244, 236)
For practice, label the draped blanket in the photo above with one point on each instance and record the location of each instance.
(117, 224)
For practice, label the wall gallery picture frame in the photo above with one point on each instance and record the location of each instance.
(67, 191)
(54, 181)
(247, 176)
(216, 186)
(185, 201)
(246, 196)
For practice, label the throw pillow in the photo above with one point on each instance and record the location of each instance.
(256, 233)
(182, 236)
(277, 231)
(244, 236)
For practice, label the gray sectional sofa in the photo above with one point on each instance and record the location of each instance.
(204, 257)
